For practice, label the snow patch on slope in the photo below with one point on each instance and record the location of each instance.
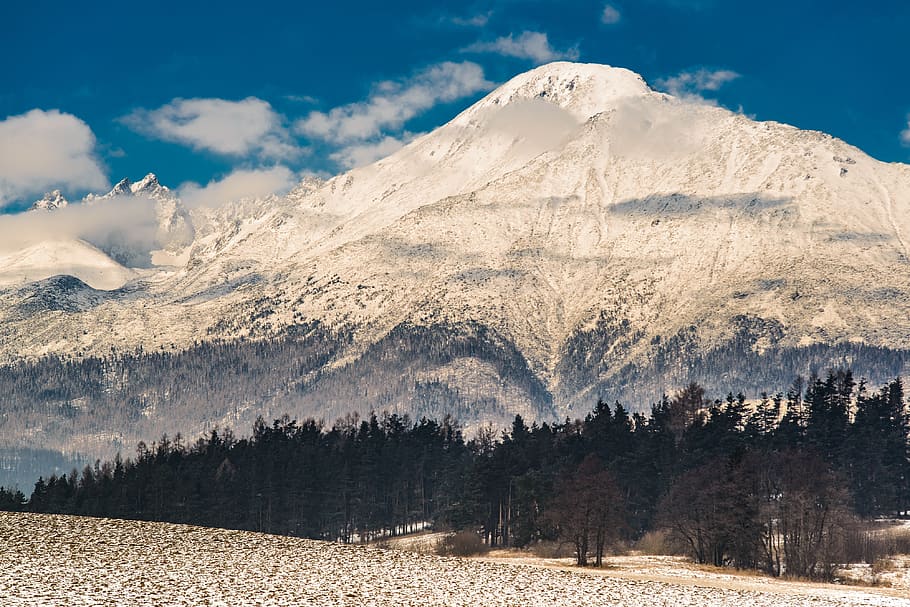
(70, 257)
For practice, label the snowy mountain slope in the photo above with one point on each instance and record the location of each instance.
(69, 257)
(572, 235)
(646, 200)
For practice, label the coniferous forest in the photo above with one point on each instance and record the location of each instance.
(774, 485)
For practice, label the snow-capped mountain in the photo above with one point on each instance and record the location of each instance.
(573, 235)
(51, 201)
(148, 186)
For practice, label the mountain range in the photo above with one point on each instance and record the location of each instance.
(574, 235)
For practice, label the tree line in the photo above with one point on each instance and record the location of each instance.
(773, 485)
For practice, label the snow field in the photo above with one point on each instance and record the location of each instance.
(64, 560)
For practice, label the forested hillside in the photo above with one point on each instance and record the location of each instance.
(722, 476)
(78, 409)
(94, 406)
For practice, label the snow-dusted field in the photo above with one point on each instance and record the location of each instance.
(62, 560)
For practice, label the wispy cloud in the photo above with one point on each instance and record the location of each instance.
(392, 103)
(361, 154)
(307, 99)
(126, 228)
(610, 15)
(478, 20)
(231, 128)
(40, 150)
(239, 184)
(695, 82)
(369, 129)
(905, 134)
(527, 45)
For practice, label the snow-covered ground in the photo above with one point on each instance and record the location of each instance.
(892, 575)
(891, 572)
(62, 560)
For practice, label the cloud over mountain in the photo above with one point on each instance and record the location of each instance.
(231, 128)
(361, 130)
(392, 103)
(241, 183)
(527, 45)
(42, 149)
(696, 81)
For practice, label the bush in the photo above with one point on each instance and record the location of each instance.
(461, 543)
(552, 550)
(661, 543)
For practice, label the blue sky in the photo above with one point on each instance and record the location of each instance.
(247, 97)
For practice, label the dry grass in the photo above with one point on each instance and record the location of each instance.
(871, 542)
(552, 550)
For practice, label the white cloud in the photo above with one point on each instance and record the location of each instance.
(647, 128)
(241, 183)
(307, 99)
(610, 15)
(393, 103)
(534, 124)
(479, 20)
(905, 134)
(695, 82)
(527, 45)
(125, 227)
(362, 154)
(40, 150)
(232, 128)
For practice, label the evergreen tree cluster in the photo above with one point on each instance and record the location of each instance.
(354, 481)
(770, 484)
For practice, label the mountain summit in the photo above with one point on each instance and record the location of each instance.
(148, 186)
(582, 89)
(50, 202)
(572, 236)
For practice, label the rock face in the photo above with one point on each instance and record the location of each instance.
(573, 235)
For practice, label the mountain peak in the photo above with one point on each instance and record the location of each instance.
(150, 181)
(584, 89)
(150, 187)
(123, 188)
(570, 71)
(147, 186)
(50, 202)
